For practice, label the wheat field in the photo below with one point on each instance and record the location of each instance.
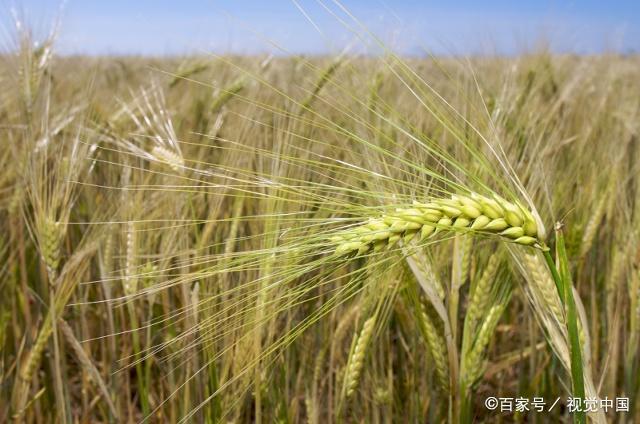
(347, 238)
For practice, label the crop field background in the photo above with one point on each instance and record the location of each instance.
(335, 238)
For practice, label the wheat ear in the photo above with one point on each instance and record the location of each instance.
(481, 295)
(173, 159)
(324, 78)
(356, 362)
(459, 213)
(437, 347)
(51, 235)
(593, 225)
(545, 286)
(21, 392)
(473, 363)
(226, 94)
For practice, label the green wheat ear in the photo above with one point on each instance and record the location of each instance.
(51, 235)
(356, 362)
(459, 213)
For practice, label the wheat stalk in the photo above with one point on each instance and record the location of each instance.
(87, 364)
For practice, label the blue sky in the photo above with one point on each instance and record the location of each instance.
(248, 26)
